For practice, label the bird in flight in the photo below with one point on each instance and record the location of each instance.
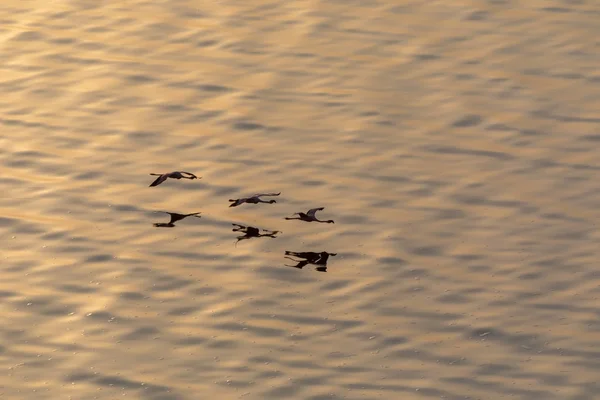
(255, 199)
(309, 216)
(174, 218)
(173, 175)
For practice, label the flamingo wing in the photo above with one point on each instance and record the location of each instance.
(311, 213)
(159, 180)
(266, 194)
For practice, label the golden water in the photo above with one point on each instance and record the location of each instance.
(455, 144)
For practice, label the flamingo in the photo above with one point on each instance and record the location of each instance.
(309, 216)
(255, 199)
(174, 175)
(174, 218)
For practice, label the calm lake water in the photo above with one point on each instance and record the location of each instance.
(456, 145)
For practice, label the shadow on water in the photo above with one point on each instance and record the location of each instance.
(310, 257)
(252, 232)
(174, 218)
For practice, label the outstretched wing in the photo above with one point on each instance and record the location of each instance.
(189, 173)
(237, 202)
(266, 194)
(176, 217)
(311, 213)
(159, 180)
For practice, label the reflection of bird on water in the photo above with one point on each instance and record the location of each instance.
(250, 232)
(255, 199)
(310, 257)
(173, 175)
(174, 218)
(309, 216)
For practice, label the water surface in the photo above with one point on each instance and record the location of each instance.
(454, 143)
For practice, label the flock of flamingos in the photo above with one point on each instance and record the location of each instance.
(318, 259)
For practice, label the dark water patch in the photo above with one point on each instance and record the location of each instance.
(296, 319)
(139, 78)
(27, 124)
(172, 108)
(427, 356)
(124, 383)
(464, 77)
(427, 57)
(167, 284)
(207, 43)
(315, 381)
(479, 200)
(27, 229)
(4, 294)
(214, 88)
(79, 377)
(102, 316)
(21, 112)
(468, 121)
(222, 344)
(393, 341)
(45, 306)
(4, 221)
(572, 76)
(73, 249)
(204, 291)
(336, 285)
(497, 369)
(460, 151)
(499, 127)
(77, 288)
(429, 251)
(477, 16)
(186, 255)
(247, 126)
(591, 138)
(354, 219)
(91, 46)
(390, 178)
(141, 333)
(204, 116)
(179, 311)
(256, 330)
(520, 341)
(561, 10)
(563, 118)
(88, 176)
(79, 61)
(31, 154)
(422, 315)
(577, 235)
(284, 274)
(22, 266)
(395, 261)
(499, 388)
(30, 36)
(126, 208)
(98, 258)
(144, 137)
(312, 183)
(530, 276)
(132, 296)
(191, 341)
